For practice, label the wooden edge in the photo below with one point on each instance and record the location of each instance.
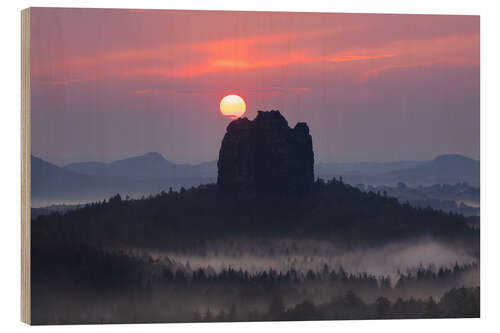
(25, 168)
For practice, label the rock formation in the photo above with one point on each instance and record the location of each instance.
(265, 156)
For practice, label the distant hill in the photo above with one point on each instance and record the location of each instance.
(51, 182)
(363, 168)
(93, 181)
(444, 169)
(151, 173)
(150, 165)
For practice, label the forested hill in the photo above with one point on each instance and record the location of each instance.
(331, 211)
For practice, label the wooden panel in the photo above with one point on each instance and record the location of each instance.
(25, 168)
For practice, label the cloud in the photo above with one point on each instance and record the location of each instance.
(282, 90)
(453, 49)
(215, 65)
(196, 59)
(141, 92)
(363, 46)
(250, 54)
(273, 91)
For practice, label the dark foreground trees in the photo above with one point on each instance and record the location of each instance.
(81, 284)
(83, 270)
(331, 211)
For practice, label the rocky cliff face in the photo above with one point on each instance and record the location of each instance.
(266, 156)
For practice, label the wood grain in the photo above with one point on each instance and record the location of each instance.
(25, 168)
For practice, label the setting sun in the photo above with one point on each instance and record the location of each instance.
(232, 106)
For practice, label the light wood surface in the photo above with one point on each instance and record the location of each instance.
(25, 168)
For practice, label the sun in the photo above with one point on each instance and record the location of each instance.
(232, 106)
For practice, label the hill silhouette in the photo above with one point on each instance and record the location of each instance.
(444, 169)
(93, 181)
(151, 173)
(147, 166)
(50, 181)
(331, 211)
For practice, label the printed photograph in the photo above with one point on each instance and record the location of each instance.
(219, 166)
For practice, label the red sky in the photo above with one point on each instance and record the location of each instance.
(108, 84)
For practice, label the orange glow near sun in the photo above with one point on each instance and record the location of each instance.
(232, 106)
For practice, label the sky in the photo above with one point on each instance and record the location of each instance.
(108, 84)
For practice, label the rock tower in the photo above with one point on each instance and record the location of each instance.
(265, 156)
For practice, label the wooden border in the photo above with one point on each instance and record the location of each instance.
(25, 168)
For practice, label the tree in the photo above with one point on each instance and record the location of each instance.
(382, 308)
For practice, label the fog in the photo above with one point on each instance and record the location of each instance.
(283, 254)
(155, 286)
